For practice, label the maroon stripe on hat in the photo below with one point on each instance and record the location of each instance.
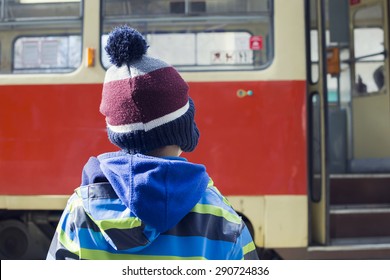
(144, 98)
(117, 104)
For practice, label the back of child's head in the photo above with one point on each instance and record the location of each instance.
(145, 100)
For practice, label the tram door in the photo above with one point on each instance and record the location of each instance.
(317, 115)
(370, 99)
(349, 119)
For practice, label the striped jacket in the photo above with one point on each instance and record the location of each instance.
(139, 207)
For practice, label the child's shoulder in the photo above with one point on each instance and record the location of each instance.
(214, 202)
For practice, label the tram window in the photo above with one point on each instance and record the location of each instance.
(314, 53)
(144, 8)
(369, 57)
(34, 9)
(198, 35)
(198, 49)
(40, 36)
(47, 54)
(369, 50)
(314, 73)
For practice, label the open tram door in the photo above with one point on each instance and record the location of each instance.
(317, 128)
(349, 127)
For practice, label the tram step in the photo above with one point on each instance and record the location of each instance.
(360, 209)
(360, 189)
(360, 221)
(362, 243)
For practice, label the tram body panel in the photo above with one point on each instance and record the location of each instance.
(243, 152)
(55, 128)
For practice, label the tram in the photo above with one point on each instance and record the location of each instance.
(292, 100)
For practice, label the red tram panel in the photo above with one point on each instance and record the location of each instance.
(51, 130)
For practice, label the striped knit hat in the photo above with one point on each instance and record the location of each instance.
(145, 100)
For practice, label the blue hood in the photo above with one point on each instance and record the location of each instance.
(159, 191)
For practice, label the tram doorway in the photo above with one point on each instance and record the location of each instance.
(349, 117)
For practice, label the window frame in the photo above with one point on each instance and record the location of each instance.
(41, 27)
(268, 39)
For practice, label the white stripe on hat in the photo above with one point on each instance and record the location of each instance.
(141, 67)
(152, 124)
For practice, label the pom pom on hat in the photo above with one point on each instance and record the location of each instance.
(145, 100)
(125, 45)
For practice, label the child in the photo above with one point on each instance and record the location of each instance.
(146, 202)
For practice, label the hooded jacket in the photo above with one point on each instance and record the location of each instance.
(141, 207)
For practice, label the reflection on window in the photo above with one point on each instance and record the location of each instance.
(29, 9)
(184, 7)
(314, 53)
(40, 36)
(47, 54)
(198, 35)
(202, 49)
(369, 51)
(369, 57)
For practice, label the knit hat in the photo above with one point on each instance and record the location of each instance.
(145, 100)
